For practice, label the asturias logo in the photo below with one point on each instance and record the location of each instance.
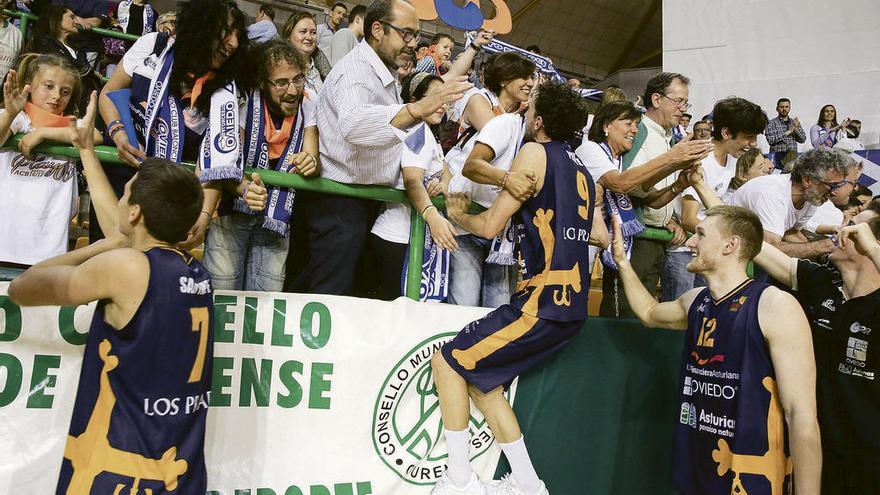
(407, 428)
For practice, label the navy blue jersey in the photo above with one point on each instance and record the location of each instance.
(731, 436)
(554, 231)
(139, 419)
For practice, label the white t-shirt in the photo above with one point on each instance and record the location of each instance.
(827, 214)
(393, 224)
(769, 197)
(504, 134)
(456, 111)
(140, 59)
(596, 160)
(10, 47)
(37, 200)
(717, 177)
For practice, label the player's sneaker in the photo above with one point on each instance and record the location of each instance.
(507, 486)
(445, 487)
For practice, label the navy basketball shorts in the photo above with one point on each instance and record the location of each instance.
(495, 349)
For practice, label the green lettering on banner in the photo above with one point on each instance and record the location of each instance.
(265, 491)
(260, 384)
(251, 334)
(41, 380)
(293, 398)
(12, 319)
(306, 321)
(246, 491)
(343, 489)
(13, 378)
(364, 488)
(293, 490)
(67, 326)
(319, 385)
(279, 318)
(220, 381)
(318, 490)
(224, 317)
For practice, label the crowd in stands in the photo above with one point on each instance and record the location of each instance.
(361, 98)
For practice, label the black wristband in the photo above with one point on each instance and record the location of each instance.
(475, 47)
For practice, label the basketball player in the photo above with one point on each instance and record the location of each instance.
(138, 422)
(747, 418)
(555, 227)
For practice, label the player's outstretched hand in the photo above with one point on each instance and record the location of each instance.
(83, 138)
(617, 249)
(862, 237)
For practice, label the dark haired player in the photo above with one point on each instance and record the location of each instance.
(554, 227)
(747, 418)
(139, 419)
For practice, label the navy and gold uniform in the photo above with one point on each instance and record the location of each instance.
(731, 436)
(139, 419)
(550, 304)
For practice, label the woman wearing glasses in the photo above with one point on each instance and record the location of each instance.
(302, 31)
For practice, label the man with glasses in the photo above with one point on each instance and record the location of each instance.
(245, 249)
(363, 125)
(786, 202)
(654, 147)
(702, 130)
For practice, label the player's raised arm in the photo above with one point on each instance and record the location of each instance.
(787, 331)
(649, 311)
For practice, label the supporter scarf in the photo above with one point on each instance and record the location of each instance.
(123, 14)
(42, 118)
(503, 247)
(258, 153)
(164, 130)
(830, 137)
(435, 266)
(619, 204)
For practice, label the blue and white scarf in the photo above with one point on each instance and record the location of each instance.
(435, 261)
(620, 205)
(165, 128)
(256, 154)
(123, 13)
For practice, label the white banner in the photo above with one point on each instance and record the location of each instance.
(311, 395)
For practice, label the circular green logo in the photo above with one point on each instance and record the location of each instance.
(407, 429)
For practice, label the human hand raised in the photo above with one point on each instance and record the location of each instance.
(449, 92)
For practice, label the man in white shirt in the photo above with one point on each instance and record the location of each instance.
(263, 29)
(10, 45)
(785, 202)
(737, 125)
(345, 39)
(328, 28)
(362, 125)
(666, 96)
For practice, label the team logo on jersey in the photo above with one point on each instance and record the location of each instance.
(857, 327)
(407, 431)
(738, 304)
(716, 358)
(688, 415)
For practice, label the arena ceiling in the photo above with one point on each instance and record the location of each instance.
(590, 39)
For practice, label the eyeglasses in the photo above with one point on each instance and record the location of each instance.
(833, 186)
(407, 35)
(298, 81)
(679, 102)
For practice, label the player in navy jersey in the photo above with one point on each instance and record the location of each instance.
(747, 417)
(550, 305)
(138, 422)
(842, 302)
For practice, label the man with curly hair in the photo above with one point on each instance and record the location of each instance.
(554, 226)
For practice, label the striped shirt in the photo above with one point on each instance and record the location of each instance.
(355, 109)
